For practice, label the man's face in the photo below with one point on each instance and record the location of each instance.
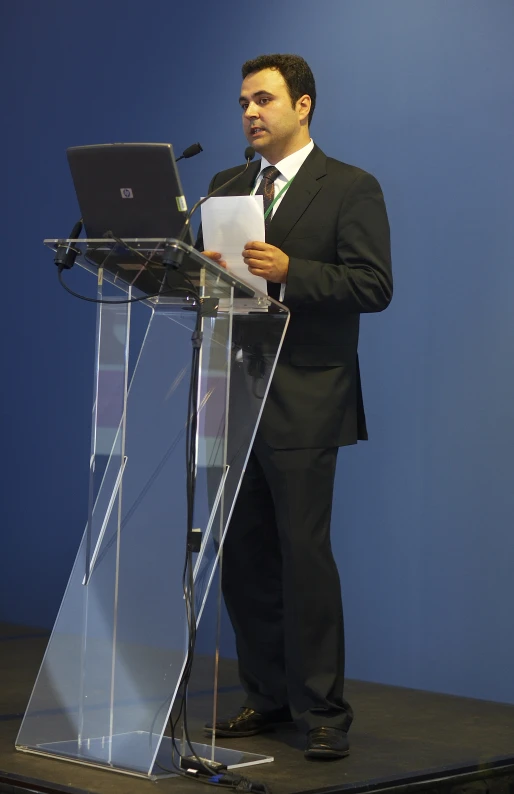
(270, 123)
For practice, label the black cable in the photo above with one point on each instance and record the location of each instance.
(149, 260)
(146, 259)
(101, 300)
(188, 587)
(223, 778)
(162, 293)
(191, 290)
(204, 773)
(187, 575)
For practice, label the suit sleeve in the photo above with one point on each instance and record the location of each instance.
(361, 279)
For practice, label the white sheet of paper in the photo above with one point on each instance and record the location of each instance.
(228, 223)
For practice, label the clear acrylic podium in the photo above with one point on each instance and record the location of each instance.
(109, 679)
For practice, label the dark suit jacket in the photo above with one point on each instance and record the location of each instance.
(333, 225)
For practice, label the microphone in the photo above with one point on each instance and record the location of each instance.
(65, 255)
(249, 155)
(191, 151)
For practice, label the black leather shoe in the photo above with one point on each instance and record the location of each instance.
(249, 722)
(327, 743)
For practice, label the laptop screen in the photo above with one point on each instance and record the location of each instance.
(130, 189)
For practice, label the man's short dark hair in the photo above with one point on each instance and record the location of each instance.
(295, 71)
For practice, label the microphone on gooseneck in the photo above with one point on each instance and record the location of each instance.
(249, 155)
(191, 151)
(65, 255)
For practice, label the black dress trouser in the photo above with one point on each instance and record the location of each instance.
(282, 589)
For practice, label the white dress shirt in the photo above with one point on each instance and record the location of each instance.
(288, 168)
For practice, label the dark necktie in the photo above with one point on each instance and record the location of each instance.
(267, 191)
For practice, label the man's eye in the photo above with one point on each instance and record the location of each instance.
(244, 107)
(263, 100)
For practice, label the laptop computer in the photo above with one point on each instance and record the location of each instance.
(132, 190)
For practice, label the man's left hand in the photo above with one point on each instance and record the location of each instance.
(267, 261)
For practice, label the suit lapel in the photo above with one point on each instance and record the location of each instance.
(305, 186)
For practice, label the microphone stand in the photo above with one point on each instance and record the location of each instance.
(172, 256)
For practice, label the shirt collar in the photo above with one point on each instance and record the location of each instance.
(291, 164)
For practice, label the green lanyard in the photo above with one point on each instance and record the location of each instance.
(275, 199)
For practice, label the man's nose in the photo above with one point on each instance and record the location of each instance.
(251, 111)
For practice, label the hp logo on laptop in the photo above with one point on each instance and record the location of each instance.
(126, 192)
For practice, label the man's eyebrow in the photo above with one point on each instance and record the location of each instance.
(257, 93)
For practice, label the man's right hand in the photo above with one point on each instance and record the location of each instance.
(215, 258)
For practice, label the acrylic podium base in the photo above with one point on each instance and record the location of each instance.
(120, 644)
(134, 745)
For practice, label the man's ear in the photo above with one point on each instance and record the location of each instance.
(303, 107)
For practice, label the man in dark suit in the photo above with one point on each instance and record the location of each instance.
(327, 258)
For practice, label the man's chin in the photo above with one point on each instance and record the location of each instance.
(259, 146)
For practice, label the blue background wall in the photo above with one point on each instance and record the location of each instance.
(420, 93)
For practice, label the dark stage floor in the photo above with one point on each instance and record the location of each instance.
(401, 738)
